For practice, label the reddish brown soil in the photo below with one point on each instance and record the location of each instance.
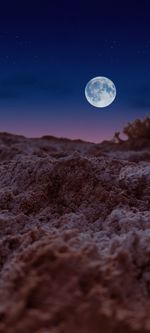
(74, 237)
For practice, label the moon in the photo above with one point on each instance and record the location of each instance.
(100, 91)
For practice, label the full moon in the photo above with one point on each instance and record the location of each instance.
(100, 92)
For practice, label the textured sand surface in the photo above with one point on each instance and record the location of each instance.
(74, 237)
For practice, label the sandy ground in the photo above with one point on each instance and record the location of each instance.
(74, 237)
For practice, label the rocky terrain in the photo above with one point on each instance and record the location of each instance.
(74, 236)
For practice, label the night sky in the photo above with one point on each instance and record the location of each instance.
(49, 50)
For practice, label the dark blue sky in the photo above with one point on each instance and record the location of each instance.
(49, 50)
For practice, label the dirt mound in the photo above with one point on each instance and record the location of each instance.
(74, 237)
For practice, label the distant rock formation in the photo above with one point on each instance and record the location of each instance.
(137, 132)
(138, 129)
